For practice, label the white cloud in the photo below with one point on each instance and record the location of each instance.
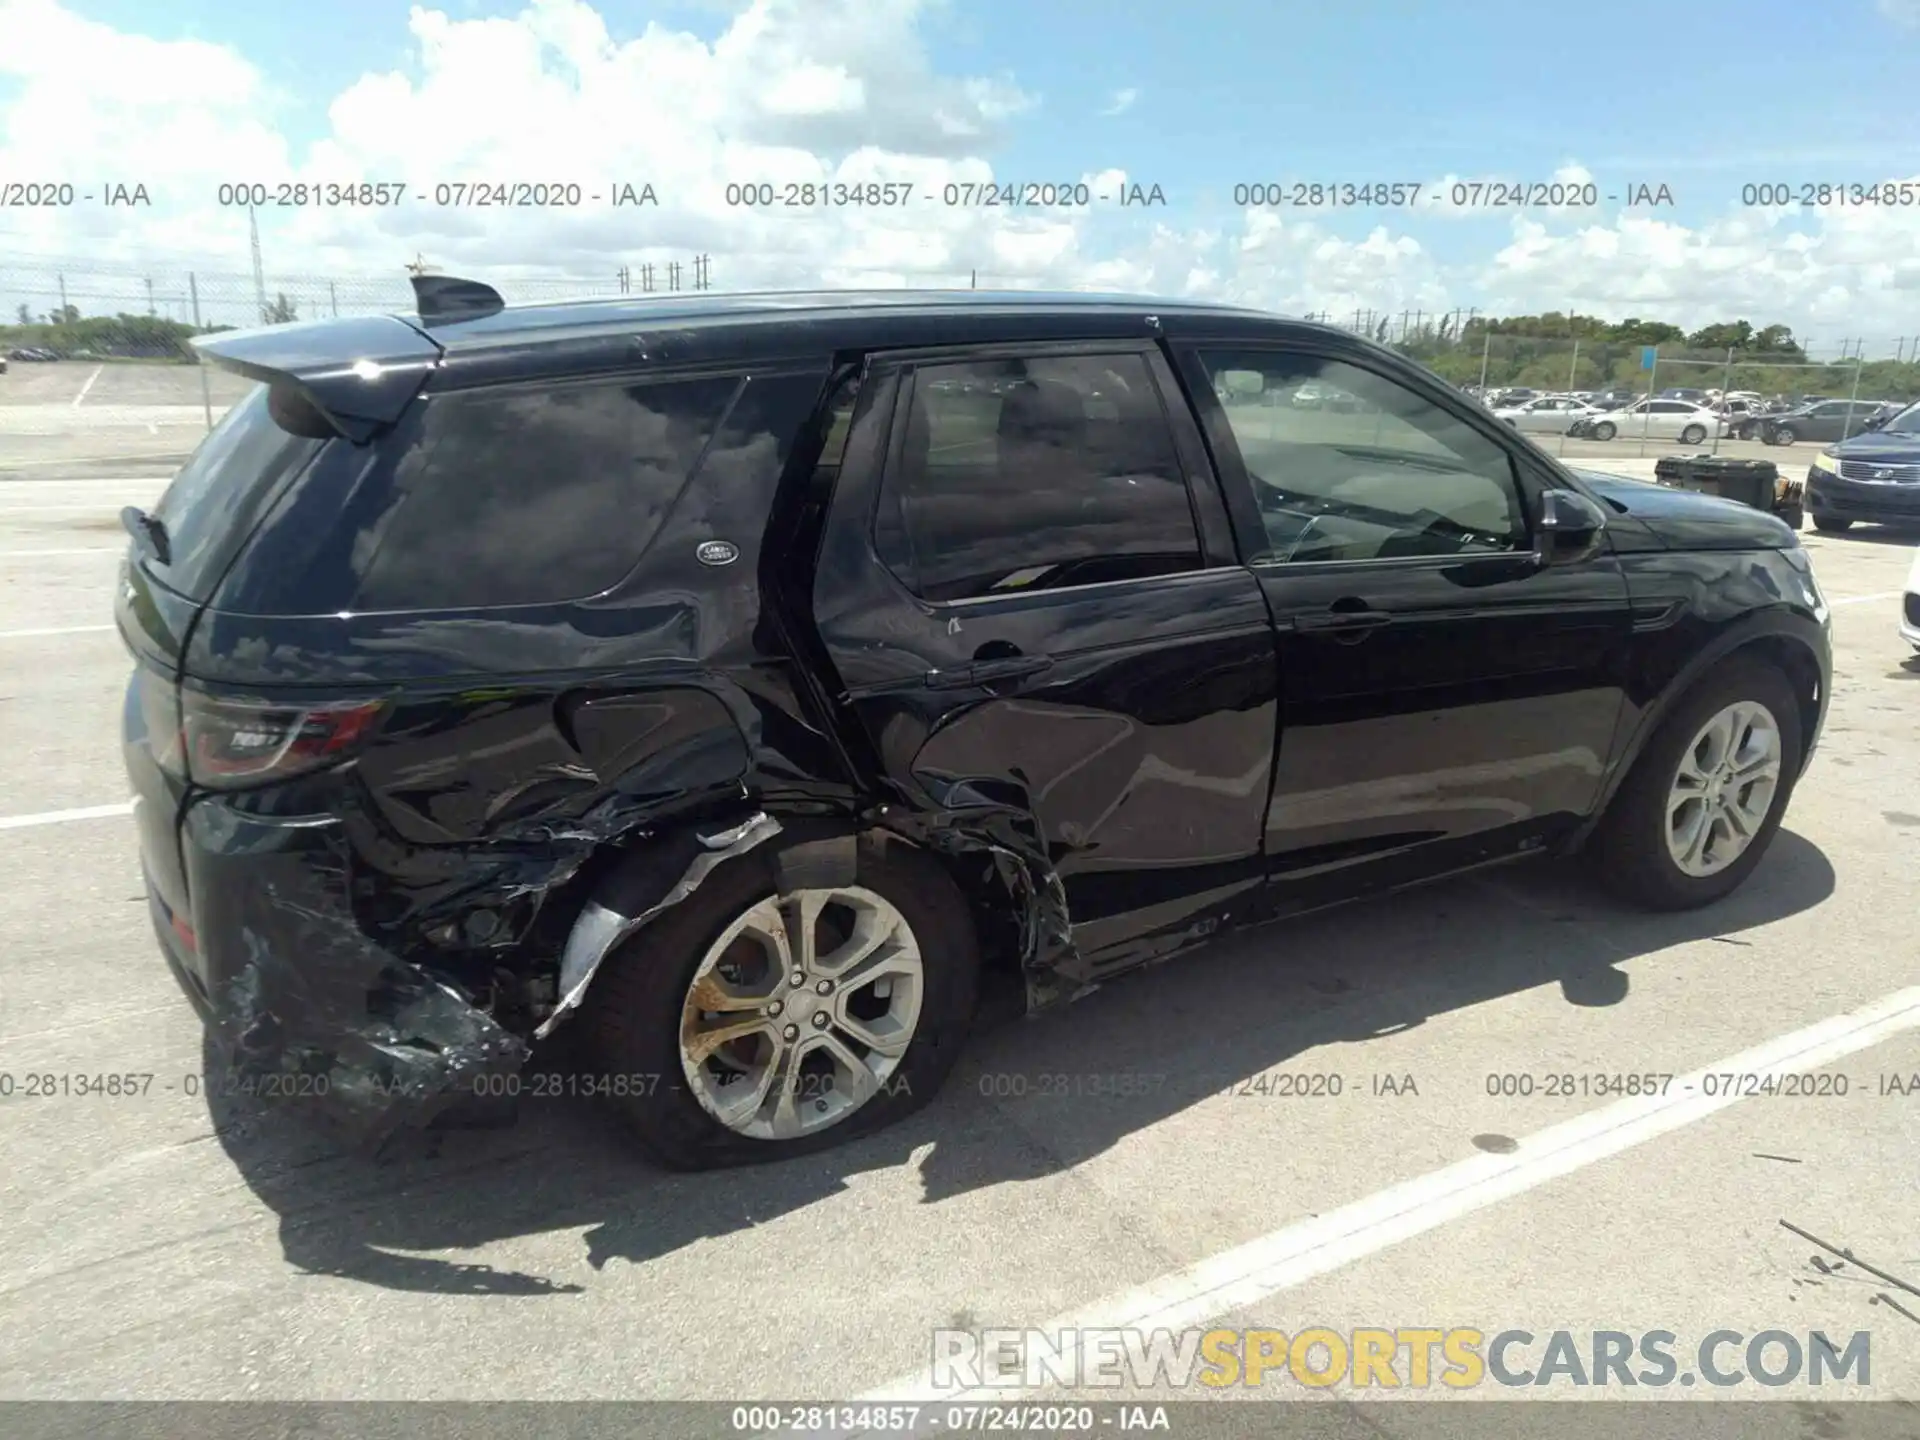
(797, 92)
(1902, 12)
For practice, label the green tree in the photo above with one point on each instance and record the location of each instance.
(26, 315)
(280, 311)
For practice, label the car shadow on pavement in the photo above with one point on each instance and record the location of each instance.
(1210, 1018)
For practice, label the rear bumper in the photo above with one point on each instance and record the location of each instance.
(306, 1008)
(1861, 500)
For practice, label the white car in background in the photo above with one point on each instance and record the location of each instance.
(1549, 415)
(1657, 420)
(1910, 605)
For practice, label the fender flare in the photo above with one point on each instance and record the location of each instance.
(1792, 626)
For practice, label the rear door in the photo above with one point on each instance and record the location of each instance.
(1445, 700)
(1029, 591)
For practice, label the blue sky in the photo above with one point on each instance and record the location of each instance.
(1698, 97)
(1701, 96)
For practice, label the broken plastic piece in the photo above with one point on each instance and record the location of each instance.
(601, 927)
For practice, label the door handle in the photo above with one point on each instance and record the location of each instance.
(1361, 620)
(987, 672)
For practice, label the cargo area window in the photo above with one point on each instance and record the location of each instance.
(1033, 474)
(530, 496)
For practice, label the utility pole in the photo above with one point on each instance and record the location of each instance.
(150, 309)
(206, 395)
(259, 270)
(673, 275)
(63, 299)
(646, 277)
(703, 272)
(333, 298)
(625, 277)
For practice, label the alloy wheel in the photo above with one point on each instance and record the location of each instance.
(800, 1012)
(1724, 788)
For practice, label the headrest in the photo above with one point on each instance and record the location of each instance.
(1043, 412)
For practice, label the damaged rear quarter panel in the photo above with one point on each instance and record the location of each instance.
(525, 748)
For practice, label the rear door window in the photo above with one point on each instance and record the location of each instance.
(221, 492)
(1026, 475)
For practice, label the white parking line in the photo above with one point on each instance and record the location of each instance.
(76, 507)
(88, 386)
(1863, 599)
(1300, 1252)
(53, 630)
(60, 817)
(40, 554)
(156, 456)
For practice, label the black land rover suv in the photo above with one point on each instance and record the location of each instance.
(741, 680)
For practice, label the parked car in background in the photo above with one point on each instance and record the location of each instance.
(33, 353)
(1654, 420)
(1683, 392)
(1872, 477)
(1549, 415)
(1616, 398)
(692, 696)
(1825, 421)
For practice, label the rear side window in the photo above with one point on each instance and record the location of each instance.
(531, 497)
(220, 493)
(1024, 475)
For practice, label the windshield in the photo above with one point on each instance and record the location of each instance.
(1907, 422)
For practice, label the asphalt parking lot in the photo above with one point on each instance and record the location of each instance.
(1129, 1159)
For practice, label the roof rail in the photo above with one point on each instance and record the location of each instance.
(444, 299)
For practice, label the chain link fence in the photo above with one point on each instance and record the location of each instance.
(99, 356)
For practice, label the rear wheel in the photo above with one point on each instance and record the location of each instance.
(754, 1022)
(1784, 435)
(1604, 430)
(1692, 435)
(1832, 524)
(1704, 800)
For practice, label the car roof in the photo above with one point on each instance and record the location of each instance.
(464, 334)
(774, 307)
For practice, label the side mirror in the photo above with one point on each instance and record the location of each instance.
(1568, 529)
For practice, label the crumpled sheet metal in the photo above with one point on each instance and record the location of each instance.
(325, 1021)
(601, 927)
(967, 821)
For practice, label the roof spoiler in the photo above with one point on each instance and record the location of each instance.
(358, 373)
(445, 299)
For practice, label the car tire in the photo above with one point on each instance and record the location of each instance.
(1604, 430)
(642, 993)
(1692, 435)
(1633, 847)
(1832, 524)
(1783, 435)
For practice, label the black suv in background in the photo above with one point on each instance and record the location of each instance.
(1874, 477)
(744, 678)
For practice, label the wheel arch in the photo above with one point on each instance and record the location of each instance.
(1782, 640)
(1009, 905)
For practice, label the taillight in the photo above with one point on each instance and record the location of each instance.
(235, 742)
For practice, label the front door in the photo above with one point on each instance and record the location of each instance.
(1028, 590)
(1445, 699)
